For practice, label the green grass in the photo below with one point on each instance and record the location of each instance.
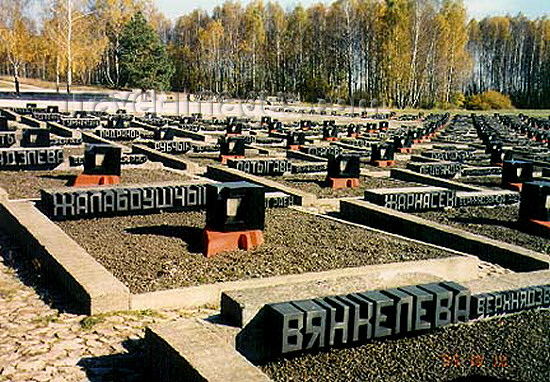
(89, 322)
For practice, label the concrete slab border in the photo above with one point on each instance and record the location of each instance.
(507, 255)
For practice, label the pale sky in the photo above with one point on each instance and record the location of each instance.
(476, 8)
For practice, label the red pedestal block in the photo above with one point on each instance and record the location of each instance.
(215, 242)
(225, 158)
(515, 186)
(383, 163)
(330, 139)
(294, 147)
(86, 180)
(405, 150)
(540, 228)
(336, 183)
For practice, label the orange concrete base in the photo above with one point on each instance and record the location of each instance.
(337, 183)
(372, 131)
(383, 163)
(539, 227)
(86, 180)
(294, 147)
(405, 150)
(215, 242)
(330, 139)
(224, 158)
(514, 186)
(353, 135)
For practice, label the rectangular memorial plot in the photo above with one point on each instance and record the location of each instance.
(508, 348)
(499, 223)
(316, 184)
(162, 251)
(27, 184)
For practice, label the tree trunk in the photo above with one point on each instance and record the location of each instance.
(16, 80)
(69, 41)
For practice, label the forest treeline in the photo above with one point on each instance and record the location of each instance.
(402, 53)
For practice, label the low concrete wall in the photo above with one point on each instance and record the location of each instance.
(93, 288)
(166, 159)
(191, 350)
(238, 307)
(507, 255)
(453, 268)
(411, 176)
(59, 129)
(10, 115)
(226, 174)
(30, 121)
(294, 154)
(92, 138)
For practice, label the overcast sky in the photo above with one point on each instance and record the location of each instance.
(476, 8)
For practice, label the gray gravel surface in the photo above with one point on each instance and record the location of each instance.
(162, 251)
(520, 345)
(499, 223)
(27, 184)
(315, 184)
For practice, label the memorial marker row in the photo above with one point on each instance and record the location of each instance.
(66, 141)
(322, 151)
(355, 318)
(261, 166)
(448, 155)
(413, 198)
(126, 159)
(171, 147)
(118, 134)
(308, 168)
(440, 169)
(30, 158)
(486, 198)
(90, 203)
(81, 123)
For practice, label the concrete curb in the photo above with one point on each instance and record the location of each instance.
(191, 350)
(94, 288)
(455, 268)
(411, 176)
(507, 255)
(238, 307)
(166, 159)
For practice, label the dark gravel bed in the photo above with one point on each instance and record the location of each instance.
(492, 182)
(499, 223)
(316, 184)
(27, 184)
(162, 251)
(512, 348)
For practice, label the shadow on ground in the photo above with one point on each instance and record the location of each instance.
(31, 273)
(192, 236)
(125, 367)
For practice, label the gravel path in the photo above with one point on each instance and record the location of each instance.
(499, 223)
(27, 184)
(315, 184)
(156, 252)
(42, 341)
(516, 348)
